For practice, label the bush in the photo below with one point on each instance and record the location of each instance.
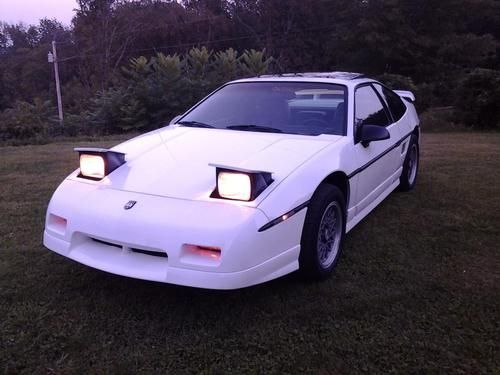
(38, 122)
(397, 82)
(437, 93)
(423, 92)
(152, 91)
(27, 120)
(478, 98)
(439, 119)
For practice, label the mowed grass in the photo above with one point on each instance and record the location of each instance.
(416, 291)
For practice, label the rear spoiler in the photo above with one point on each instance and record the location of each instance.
(408, 95)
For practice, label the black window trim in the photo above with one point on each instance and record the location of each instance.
(382, 101)
(388, 107)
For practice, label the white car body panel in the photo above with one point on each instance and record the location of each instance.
(194, 177)
(161, 224)
(380, 175)
(170, 174)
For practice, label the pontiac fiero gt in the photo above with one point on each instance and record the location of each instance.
(263, 177)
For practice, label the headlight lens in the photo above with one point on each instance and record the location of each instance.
(92, 166)
(239, 184)
(233, 185)
(97, 163)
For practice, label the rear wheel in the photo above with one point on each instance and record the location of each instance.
(408, 177)
(323, 233)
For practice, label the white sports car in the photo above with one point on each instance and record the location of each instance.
(263, 177)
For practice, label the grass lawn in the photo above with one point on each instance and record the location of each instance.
(416, 291)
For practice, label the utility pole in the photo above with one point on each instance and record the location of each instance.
(53, 59)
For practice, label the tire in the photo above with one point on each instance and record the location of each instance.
(408, 177)
(321, 247)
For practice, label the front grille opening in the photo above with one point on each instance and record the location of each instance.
(107, 243)
(149, 252)
(160, 254)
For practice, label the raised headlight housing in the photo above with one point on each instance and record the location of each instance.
(240, 184)
(97, 163)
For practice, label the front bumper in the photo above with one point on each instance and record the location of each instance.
(151, 240)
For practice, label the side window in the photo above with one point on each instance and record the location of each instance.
(368, 108)
(394, 102)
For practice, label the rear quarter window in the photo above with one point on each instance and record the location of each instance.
(393, 100)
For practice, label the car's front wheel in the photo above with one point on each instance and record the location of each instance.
(408, 177)
(323, 233)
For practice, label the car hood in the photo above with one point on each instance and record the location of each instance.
(174, 161)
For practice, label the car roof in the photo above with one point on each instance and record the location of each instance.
(346, 78)
(334, 75)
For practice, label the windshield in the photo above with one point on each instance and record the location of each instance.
(305, 108)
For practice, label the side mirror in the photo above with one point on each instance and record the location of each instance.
(175, 119)
(370, 133)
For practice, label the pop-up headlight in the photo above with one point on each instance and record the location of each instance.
(239, 184)
(96, 163)
(92, 166)
(233, 185)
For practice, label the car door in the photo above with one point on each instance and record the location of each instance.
(400, 117)
(378, 162)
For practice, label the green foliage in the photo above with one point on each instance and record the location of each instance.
(397, 82)
(439, 119)
(139, 67)
(255, 63)
(478, 98)
(154, 90)
(424, 93)
(27, 120)
(227, 64)
(105, 110)
(168, 67)
(198, 62)
(467, 50)
(427, 45)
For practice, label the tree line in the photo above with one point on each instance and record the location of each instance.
(131, 64)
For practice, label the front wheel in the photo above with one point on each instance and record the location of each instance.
(408, 177)
(323, 233)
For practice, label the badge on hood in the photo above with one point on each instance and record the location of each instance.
(129, 205)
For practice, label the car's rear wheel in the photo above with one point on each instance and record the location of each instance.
(323, 233)
(408, 177)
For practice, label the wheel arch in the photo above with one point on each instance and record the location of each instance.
(416, 132)
(340, 180)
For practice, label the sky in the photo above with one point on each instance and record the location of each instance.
(31, 11)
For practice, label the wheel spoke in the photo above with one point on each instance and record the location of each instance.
(412, 163)
(330, 230)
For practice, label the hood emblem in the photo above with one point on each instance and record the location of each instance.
(129, 205)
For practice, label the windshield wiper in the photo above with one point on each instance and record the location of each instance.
(256, 128)
(195, 124)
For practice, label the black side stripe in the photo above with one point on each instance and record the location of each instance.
(397, 144)
(284, 217)
(300, 207)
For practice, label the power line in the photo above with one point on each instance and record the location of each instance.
(156, 27)
(166, 25)
(146, 29)
(205, 42)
